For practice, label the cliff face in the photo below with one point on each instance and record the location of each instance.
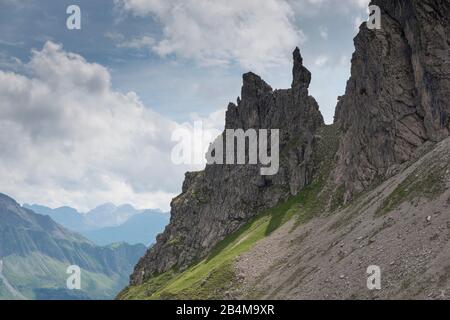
(220, 199)
(397, 96)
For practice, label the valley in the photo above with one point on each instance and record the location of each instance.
(35, 253)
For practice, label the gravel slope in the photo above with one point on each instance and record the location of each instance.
(327, 258)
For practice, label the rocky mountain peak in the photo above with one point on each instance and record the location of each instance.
(217, 201)
(301, 75)
(253, 86)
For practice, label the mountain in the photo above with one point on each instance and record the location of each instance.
(105, 215)
(66, 216)
(373, 189)
(140, 228)
(108, 223)
(35, 253)
(109, 215)
(220, 199)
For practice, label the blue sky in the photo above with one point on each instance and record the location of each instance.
(179, 60)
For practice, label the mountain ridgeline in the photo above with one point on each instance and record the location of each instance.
(35, 253)
(103, 216)
(108, 223)
(371, 189)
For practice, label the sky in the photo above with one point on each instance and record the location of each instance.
(86, 116)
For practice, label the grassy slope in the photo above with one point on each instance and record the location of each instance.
(209, 278)
(213, 276)
(43, 251)
(427, 182)
(40, 271)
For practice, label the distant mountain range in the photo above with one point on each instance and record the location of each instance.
(140, 228)
(66, 216)
(109, 223)
(35, 252)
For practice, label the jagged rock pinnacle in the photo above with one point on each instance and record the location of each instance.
(218, 200)
(301, 75)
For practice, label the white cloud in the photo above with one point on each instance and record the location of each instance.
(323, 31)
(361, 3)
(67, 138)
(193, 138)
(316, 7)
(138, 43)
(8, 62)
(256, 34)
(321, 60)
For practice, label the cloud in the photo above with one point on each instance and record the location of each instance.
(138, 43)
(323, 31)
(316, 7)
(361, 3)
(8, 62)
(193, 138)
(321, 60)
(255, 34)
(67, 138)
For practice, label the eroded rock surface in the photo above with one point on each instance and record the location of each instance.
(220, 199)
(397, 96)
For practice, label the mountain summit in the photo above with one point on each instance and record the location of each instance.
(220, 199)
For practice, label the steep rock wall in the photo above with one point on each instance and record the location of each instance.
(397, 96)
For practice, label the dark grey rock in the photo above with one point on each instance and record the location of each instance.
(397, 96)
(220, 199)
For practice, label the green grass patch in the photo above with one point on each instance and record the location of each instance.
(39, 271)
(213, 276)
(426, 182)
(337, 199)
(147, 289)
(174, 242)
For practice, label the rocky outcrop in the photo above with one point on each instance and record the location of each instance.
(397, 96)
(220, 199)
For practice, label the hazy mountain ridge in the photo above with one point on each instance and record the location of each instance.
(140, 228)
(108, 223)
(35, 253)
